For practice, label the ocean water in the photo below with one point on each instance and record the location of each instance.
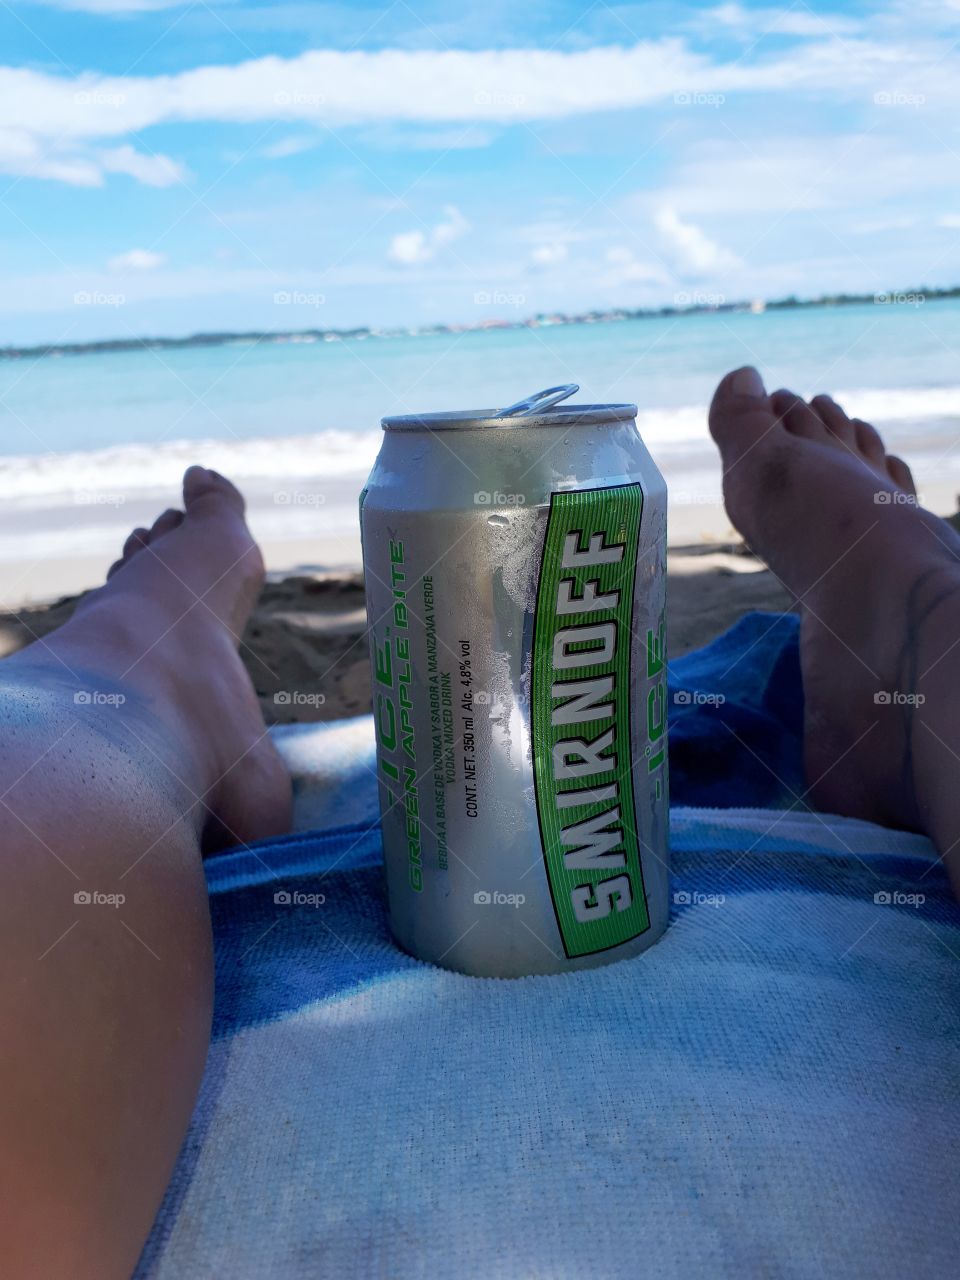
(88, 442)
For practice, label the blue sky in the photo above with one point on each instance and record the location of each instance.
(167, 168)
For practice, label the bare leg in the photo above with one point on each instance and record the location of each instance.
(878, 581)
(131, 737)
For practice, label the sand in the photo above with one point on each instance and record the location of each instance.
(306, 649)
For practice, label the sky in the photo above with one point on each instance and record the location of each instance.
(169, 168)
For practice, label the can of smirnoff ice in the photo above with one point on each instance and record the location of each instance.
(515, 566)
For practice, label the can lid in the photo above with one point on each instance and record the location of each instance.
(542, 409)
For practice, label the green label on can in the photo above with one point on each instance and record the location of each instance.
(581, 717)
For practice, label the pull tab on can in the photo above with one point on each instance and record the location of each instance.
(539, 401)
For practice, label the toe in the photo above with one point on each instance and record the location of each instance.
(870, 444)
(135, 542)
(834, 419)
(798, 417)
(170, 519)
(206, 491)
(740, 413)
(214, 513)
(900, 474)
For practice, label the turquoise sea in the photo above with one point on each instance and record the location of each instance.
(89, 440)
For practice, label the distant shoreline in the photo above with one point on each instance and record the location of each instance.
(709, 303)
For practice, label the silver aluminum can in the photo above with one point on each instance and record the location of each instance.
(515, 567)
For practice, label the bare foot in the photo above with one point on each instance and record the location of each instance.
(165, 628)
(877, 579)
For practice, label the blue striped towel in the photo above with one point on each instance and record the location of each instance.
(771, 1090)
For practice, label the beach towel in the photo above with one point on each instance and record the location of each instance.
(770, 1090)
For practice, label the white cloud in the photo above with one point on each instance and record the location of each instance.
(690, 248)
(27, 156)
(627, 268)
(292, 146)
(797, 174)
(874, 226)
(151, 170)
(338, 88)
(482, 87)
(797, 20)
(113, 6)
(23, 156)
(135, 260)
(950, 220)
(471, 93)
(453, 228)
(414, 248)
(409, 248)
(548, 255)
